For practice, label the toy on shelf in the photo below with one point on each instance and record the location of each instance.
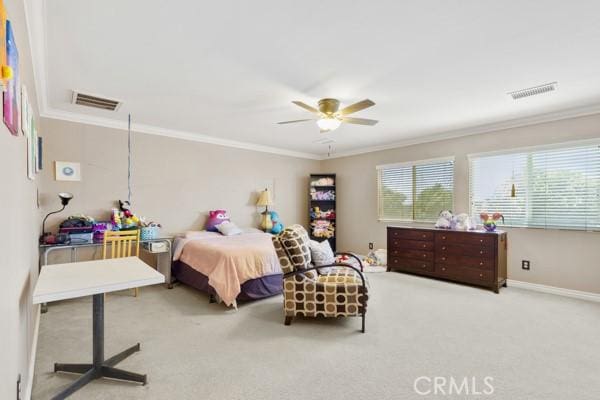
(322, 229)
(326, 195)
(277, 224)
(316, 213)
(123, 218)
(490, 221)
(461, 222)
(325, 181)
(444, 221)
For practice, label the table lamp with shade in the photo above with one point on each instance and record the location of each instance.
(64, 199)
(265, 200)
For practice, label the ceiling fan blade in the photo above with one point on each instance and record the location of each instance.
(306, 107)
(361, 105)
(294, 121)
(359, 121)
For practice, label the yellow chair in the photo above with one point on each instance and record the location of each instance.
(121, 245)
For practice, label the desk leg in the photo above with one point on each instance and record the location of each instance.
(100, 368)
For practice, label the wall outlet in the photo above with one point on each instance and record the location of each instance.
(19, 387)
(525, 265)
(370, 245)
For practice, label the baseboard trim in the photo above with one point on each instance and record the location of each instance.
(29, 388)
(576, 294)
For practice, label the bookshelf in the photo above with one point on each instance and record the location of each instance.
(322, 198)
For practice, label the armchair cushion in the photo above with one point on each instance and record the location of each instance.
(292, 248)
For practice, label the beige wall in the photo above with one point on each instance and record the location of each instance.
(565, 259)
(18, 236)
(175, 181)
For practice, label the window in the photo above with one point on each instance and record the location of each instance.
(555, 187)
(415, 191)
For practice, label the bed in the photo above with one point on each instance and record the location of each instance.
(231, 268)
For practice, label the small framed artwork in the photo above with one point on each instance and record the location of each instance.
(25, 111)
(40, 147)
(67, 171)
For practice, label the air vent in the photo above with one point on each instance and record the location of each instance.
(90, 100)
(533, 91)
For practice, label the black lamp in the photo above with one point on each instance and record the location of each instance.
(64, 199)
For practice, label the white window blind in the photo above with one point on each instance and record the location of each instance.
(554, 188)
(415, 191)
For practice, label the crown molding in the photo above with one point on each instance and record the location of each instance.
(35, 16)
(172, 133)
(475, 130)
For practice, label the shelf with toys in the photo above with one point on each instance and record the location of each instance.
(322, 208)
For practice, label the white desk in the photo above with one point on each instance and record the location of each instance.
(78, 279)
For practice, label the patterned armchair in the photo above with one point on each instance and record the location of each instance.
(309, 293)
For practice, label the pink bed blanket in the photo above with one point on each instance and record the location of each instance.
(229, 261)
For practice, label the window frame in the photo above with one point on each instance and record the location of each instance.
(528, 149)
(413, 164)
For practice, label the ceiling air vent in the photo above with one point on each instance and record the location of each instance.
(533, 91)
(91, 100)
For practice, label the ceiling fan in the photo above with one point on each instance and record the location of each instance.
(330, 117)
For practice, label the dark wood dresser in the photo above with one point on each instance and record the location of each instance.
(472, 257)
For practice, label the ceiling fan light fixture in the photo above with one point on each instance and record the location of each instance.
(328, 124)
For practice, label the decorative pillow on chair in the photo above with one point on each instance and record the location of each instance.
(228, 228)
(321, 254)
(215, 218)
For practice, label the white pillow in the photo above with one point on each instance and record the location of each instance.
(228, 228)
(321, 254)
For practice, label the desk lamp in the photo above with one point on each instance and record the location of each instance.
(64, 199)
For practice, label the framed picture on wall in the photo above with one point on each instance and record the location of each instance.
(11, 95)
(67, 171)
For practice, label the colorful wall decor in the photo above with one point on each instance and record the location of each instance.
(67, 171)
(25, 111)
(40, 153)
(3, 65)
(31, 151)
(11, 95)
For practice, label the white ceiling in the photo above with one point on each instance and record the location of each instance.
(227, 71)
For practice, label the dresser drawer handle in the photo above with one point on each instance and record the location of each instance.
(424, 255)
(443, 269)
(480, 240)
(443, 258)
(395, 261)
(481, 263)
(481, 275)
(424, 236)
(481, 252)
(443, 237)
(443, 247)
(424, 265)
(424, 246)
(395, 233)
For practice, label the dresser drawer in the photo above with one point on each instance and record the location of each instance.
(410, 264)
(464, 274)
(451, 249)
(413, 254)
(398, 244)
(468, 239)
(471, 262)
(410, 234)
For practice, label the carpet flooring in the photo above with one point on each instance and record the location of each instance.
(532, 346)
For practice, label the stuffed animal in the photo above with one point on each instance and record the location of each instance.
(489, 221)
(277, 225)
(215, 217)
(123, 217)
(461, 222)
(444, 221)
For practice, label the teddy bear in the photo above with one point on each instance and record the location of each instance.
(461, 222)
(444, 221)
(277, 225)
